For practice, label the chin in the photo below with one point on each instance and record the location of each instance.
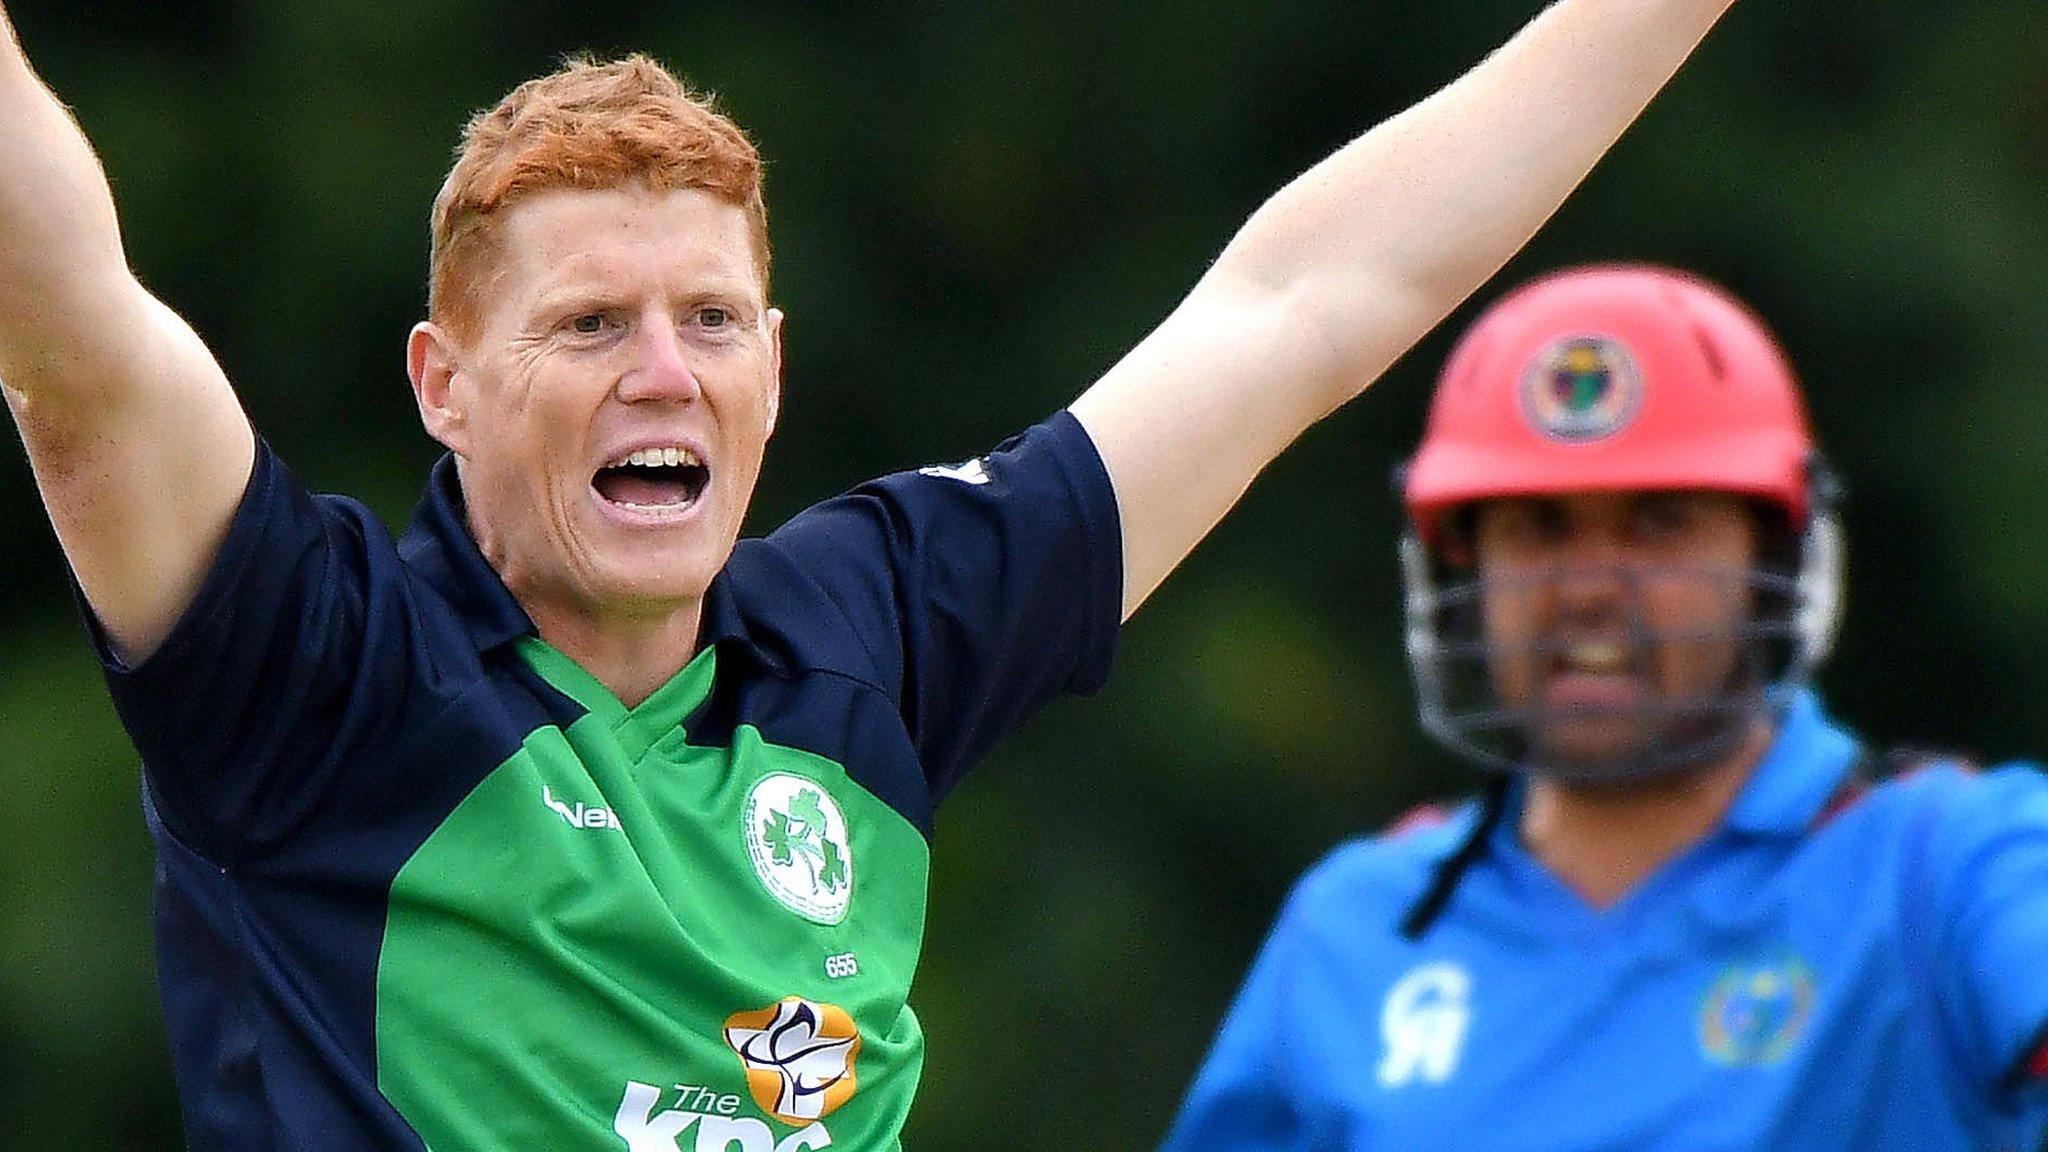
(644, 594)
(678, 564)
(1592, 750)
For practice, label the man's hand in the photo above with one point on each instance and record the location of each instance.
(139, 446)
(1348, 266)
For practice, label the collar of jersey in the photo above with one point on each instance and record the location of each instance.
(439, 547)
(637, 727)
(1801, 771)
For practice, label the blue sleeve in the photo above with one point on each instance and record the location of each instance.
(977, 591)
(1988, 859)
(1246, 1098)
(263, 688)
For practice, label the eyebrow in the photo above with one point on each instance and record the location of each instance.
(580, 291)
(571, 298)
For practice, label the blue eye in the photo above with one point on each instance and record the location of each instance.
(588, 324)
(714, 317)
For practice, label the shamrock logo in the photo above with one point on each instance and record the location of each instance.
(797, 838)
(800, 835)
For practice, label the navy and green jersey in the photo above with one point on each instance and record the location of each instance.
(424, 882)
(1817, 974)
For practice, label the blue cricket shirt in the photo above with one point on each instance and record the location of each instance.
(1807, 977)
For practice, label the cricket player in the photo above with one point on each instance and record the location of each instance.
(1686, 915)
(565, 821)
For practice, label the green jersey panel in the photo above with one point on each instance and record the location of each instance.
(528, 994)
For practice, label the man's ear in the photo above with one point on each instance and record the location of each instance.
(431, 363)
(775, 319)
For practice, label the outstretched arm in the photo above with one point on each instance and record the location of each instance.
(138, 444)
(1348, 266)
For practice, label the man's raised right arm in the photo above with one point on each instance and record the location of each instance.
(140, 449)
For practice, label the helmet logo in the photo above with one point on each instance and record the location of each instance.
(1582, 388)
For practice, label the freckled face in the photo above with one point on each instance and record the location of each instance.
(1607, 613)
(617, 400)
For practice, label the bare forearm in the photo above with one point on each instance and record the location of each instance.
(60, 246)
(1345, 268)
(1391, 232)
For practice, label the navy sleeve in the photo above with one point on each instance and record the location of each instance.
(976, 591)
(269, 681)
(1989, 867)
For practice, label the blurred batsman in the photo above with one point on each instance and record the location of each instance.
(567, 821)
(1690, 911)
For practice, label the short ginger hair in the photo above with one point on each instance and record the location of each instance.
(590, 125)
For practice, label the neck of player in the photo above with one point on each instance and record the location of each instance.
(632, 655)
(1603, 841)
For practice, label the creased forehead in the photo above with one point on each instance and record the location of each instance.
(626, 242)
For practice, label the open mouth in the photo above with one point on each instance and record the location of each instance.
(665, 479)
(1593, 675)
(1593, 657)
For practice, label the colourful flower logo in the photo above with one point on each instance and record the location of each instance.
(800, 1057)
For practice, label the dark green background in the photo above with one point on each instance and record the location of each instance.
(976, 208)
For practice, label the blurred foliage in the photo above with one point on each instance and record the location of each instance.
(977, 207)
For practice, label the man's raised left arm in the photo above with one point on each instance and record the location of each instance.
(1345, 268)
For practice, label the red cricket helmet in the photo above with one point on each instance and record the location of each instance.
(1613, 377)
(1603, 379)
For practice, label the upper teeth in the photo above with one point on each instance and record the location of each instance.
(658, 458)
(1597, 655)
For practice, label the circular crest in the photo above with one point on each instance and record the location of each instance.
(797, 838)
(1582, 388)
(1753, 1015)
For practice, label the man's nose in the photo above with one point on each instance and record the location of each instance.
(1594, 574)
(660, 370)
